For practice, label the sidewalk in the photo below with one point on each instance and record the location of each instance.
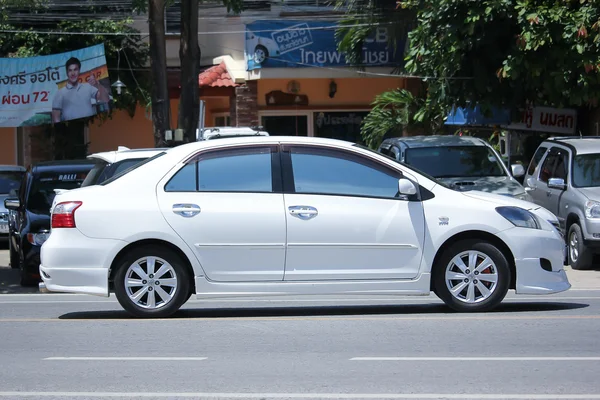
(9, 281)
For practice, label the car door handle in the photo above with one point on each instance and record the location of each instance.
(529, 189)
(303, 212)
(186, 210)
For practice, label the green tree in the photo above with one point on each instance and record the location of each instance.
(506, 53)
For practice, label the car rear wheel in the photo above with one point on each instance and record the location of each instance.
(580, 257)
(152, 282)
(472, 276)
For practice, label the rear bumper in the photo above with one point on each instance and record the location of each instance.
(74, 263)
(75, 280)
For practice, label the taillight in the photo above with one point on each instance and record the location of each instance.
(63, 215)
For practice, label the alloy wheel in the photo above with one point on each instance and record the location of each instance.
(471, 276)
(150, 282)
(574, 247)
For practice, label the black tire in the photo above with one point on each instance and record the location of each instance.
(584, 257)
(27, 280)
(502, 270)
(182, 288)
(14, 256)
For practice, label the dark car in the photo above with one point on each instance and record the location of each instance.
(32, 211)
(10, 180)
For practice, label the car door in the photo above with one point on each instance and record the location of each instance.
(345, 218)
(227, 206)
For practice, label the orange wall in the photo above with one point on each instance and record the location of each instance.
(136, 132)
(8, 146)
(350, 91)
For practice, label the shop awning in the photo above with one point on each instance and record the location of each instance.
(474, 116)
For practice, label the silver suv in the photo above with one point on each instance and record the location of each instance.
(564, 177)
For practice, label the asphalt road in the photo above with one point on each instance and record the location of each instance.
(71, 346)
(62, 346)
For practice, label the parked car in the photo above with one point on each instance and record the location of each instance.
(10, 180)
(293, 215)
(32, 211)
(564, 177)
(462, 162)
(109, 163)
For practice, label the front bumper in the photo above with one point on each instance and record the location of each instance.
(539, 260)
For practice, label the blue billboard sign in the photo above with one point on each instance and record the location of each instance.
(296, 44)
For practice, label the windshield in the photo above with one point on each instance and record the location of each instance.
(455, 161)
(10, 180)
(586, 170)
(42, 191)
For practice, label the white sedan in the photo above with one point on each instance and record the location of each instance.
(263, 216)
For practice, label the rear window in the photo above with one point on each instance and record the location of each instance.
(127, 170)
(103, 170)
(42, 192)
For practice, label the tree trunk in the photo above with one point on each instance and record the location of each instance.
(158, 63)
(189, 55)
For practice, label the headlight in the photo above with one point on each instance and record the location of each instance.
(38, 239)
(592, 209)
(519, 217)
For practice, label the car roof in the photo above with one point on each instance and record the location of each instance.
(581, 144)
(187, 148)
(12, 168)
(124, 153)
(436, 141)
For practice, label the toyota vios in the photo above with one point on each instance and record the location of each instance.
(263, 216)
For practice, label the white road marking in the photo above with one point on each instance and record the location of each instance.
(125, 358)
(483, 396)
(475, 359)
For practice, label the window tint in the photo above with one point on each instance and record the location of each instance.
(548, 167)
(93, 176)
(339, 173)
(239, 170)
(42, 191)
(536, 160)
(131, 168)
(586, 170)
(455, 161)
(560, 171)
(10, 180)
(242, 170)
(184, 180)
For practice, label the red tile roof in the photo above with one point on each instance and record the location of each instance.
(216, 76)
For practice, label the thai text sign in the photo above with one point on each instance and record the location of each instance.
(54, 88)
(547, 119)
(292, 44)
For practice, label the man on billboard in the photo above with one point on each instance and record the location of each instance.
(75, 99)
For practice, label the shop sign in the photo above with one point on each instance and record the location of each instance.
(547, 119)
(296, 44)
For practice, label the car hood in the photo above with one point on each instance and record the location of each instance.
(501, 200)
(592, 193)
(503, 185)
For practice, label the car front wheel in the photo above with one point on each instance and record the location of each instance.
(472, 276)
(580, 257)
(152, 282)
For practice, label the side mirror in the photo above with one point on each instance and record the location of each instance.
(557, 183)
(12, 204)
(406, 187)
(517, 170)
